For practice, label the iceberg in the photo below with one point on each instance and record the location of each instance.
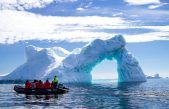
(76, 66)
(156, 76)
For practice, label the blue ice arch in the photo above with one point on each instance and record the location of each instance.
(78, 67)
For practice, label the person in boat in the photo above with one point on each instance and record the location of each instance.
(28, 85)
(47, 84)
(37, 83)
(40, 84)
(55, 81)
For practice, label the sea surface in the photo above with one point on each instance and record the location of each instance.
(101, 94)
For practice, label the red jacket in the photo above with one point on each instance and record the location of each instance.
(47, 85)
(37, 84)
(41, 85)
(28, 85)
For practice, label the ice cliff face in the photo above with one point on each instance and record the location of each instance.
(77, 66)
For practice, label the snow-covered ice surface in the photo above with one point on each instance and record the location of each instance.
(76, 66)
(40, 61)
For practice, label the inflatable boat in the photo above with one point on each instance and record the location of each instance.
(22, 90)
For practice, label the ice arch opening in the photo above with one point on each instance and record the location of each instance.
(106, 70)
(78, 67)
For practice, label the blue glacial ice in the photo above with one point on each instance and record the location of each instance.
(78, 67)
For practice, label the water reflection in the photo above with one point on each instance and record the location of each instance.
(128, 85)
(42, 100)
(42, 97)
(126, 95)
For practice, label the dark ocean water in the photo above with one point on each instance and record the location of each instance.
(153, 94)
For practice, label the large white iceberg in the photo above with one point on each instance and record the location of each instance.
(77, 66)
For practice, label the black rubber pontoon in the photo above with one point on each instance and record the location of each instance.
(22, 90)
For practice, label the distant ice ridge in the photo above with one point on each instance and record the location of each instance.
(76, 66)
